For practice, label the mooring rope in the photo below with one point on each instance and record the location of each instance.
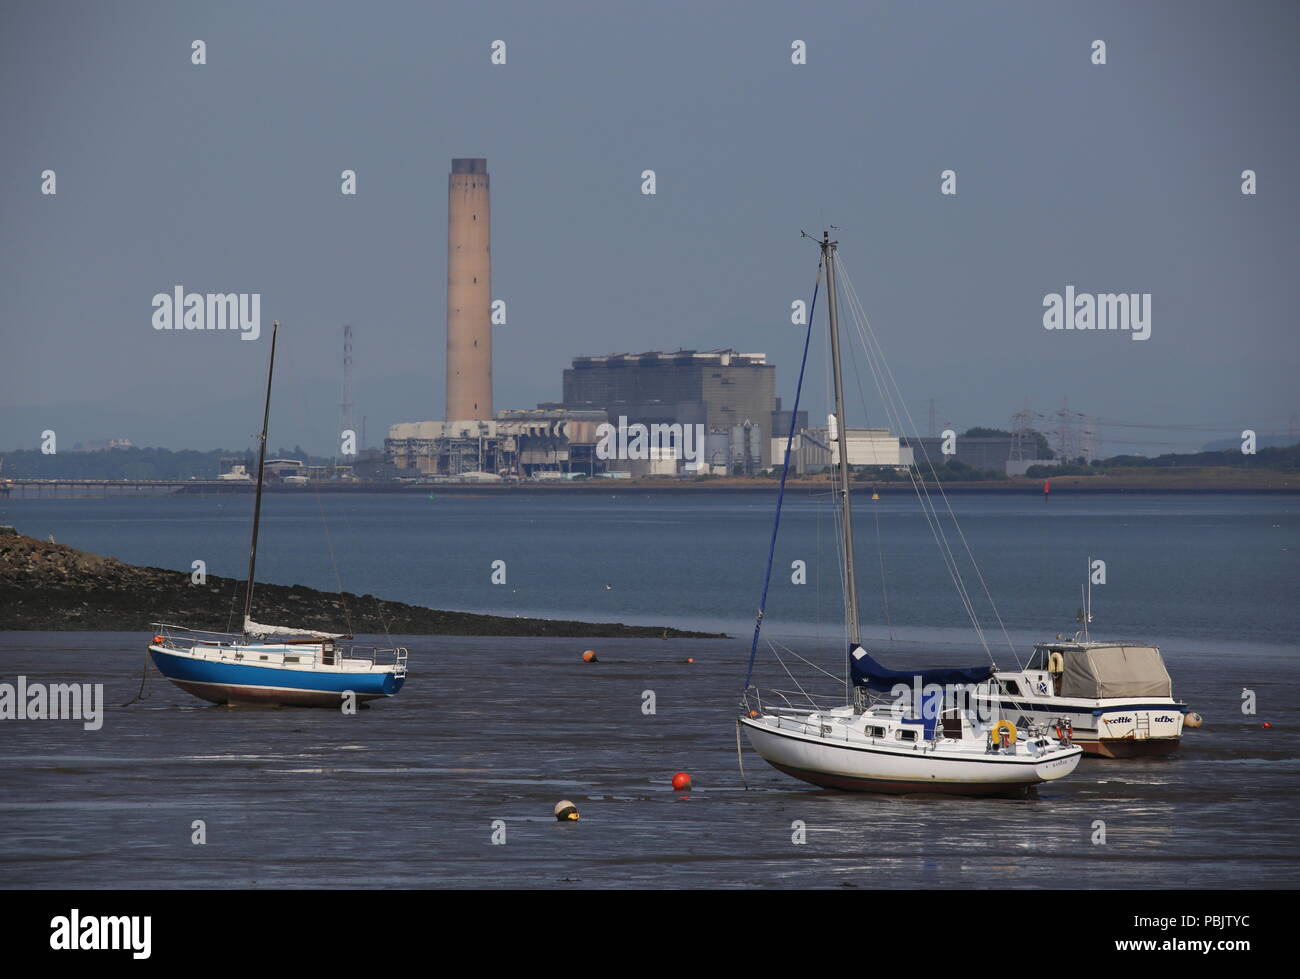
(144, 677)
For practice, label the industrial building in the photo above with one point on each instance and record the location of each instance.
(732, 394)
(813, 451)
(515, 443)
(726, 398)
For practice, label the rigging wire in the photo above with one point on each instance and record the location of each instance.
(927, 505)
(891, 395)
(785, 471)
(338, 578)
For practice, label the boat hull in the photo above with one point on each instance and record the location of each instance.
(240, 684)
(1129, 747)
(861, 768)
(1105, 729)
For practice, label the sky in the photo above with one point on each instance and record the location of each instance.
(225, 177)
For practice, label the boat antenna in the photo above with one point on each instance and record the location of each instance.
(1087, 601)
(261, 467)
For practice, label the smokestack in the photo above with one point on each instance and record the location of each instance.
(469, 293)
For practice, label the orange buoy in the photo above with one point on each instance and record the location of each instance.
(753, 714)
(565, 811)
(690, 659)
(590, 656)
(682, 782)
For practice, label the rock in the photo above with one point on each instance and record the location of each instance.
(42, 583)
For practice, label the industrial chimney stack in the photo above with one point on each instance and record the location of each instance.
(469, 293)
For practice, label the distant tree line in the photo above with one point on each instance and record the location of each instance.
(1035, 438)
(1281, 459)
(138, 463)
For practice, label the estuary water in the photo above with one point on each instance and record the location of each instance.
(489, 734)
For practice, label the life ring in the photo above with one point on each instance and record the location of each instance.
(996, 733)
(1055, 663)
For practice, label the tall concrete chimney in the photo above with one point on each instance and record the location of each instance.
(469, 293)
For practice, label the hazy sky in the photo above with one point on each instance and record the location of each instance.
(225, 177)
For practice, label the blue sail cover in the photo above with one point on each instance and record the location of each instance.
(870, 674)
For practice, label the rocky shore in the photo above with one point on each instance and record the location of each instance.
(50, 587)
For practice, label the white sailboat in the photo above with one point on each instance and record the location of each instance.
(933, 730)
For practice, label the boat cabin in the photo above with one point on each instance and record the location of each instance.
(1100, 670)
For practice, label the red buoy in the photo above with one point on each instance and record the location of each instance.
(690, 659)
(682, 782)
(590, 656)
(1267, 724)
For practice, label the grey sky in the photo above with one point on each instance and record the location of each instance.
(225, 177)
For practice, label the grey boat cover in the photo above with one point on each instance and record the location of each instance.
(1115, 671)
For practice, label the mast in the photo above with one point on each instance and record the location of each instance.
(261, 465)
(842, 443)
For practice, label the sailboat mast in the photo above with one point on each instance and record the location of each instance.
(261, 467)
(842, 445)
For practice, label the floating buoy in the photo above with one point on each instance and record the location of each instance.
(690, 659)
(682, 782)
(565, 810)
(875, 496)
(590, 656)
(1267, 724)
(1193, 720)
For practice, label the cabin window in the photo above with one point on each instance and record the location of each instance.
(952, 728)
(904, 735)
(876, 732)
(1011, 687)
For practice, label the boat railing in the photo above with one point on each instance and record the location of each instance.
(394, 656)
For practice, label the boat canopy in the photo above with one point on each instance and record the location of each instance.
(1115, 671)
(870, 674)
(252, 628)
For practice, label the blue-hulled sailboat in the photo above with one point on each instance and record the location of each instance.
(274, 665)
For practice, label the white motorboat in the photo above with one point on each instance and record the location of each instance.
(1115, 699)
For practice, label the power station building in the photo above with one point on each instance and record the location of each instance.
(733, 395)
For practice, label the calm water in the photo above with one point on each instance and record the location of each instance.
(405, 794)
(1211, 567)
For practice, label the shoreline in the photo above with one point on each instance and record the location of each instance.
(1207, 480)
(55, 588)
